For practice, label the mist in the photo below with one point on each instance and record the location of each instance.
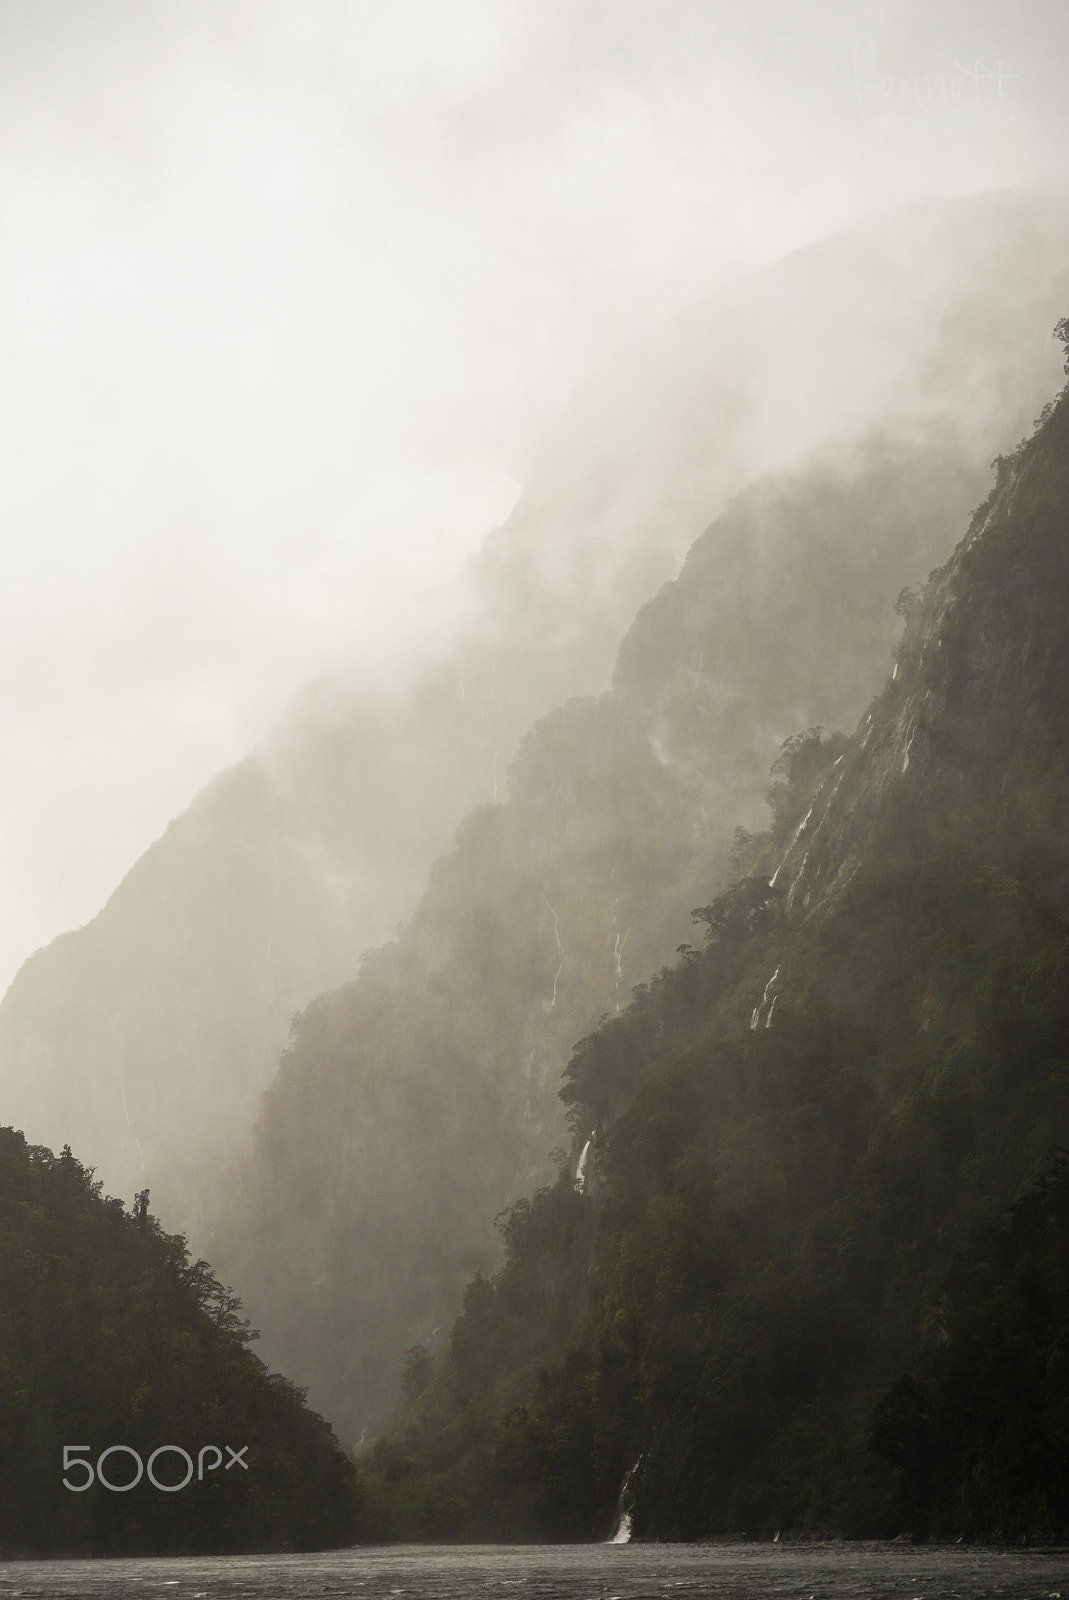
(294, 295)
(457, 456)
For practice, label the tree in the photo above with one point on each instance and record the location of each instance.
(1061, 331)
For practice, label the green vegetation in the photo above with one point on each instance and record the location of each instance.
(111, 1336)
(817, 1276)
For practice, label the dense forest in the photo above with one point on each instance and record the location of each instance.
(806, 1265)
(113, 1344)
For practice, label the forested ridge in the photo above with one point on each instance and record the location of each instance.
(806, 1265)
(110, 1336)
(415, 1102)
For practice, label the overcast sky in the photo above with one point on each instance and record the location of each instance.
(288, 293)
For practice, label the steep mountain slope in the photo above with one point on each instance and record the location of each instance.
(780, 1287)
(146, 1037)
(116, 1349)
(418, 1101)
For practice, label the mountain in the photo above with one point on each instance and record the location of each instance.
(805, 1266)
(147, 1037)
(134, 1419)
(417, 1101)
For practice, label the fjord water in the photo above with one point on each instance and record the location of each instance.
(568, 1572)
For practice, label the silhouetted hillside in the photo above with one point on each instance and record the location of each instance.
(134, 1419)
(418, 1101)
(805, 1266)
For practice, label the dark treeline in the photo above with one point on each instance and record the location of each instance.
(815, 1274)
(111, 1336)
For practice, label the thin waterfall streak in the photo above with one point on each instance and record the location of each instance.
(622, 1534)
(580, 1169)
(563, 953)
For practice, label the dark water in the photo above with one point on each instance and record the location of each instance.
(567, 1572)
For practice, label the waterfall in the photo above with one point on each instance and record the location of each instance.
(561, 952)
(755, 1014)
(797, 878)
(623, 1514)
(580, 1169)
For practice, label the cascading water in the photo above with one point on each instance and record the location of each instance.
(561, 952)
(580, 1168)
(623, 1531)
(755, 1015)
(909, 746)
(803, 825)
(797, 879)
(623, 1511)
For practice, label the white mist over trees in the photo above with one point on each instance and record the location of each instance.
(148, 1037)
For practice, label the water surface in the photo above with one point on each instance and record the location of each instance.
(566, 1572)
